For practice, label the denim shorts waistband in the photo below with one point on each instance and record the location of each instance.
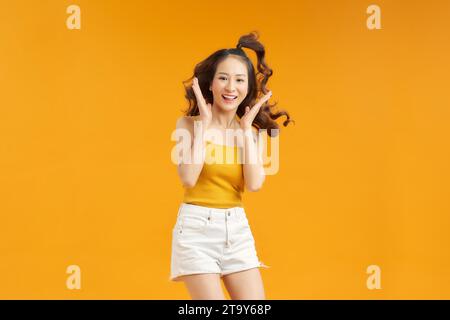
(187, 208)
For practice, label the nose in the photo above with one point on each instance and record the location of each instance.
(230, 86)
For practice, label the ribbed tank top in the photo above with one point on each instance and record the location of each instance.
(220, 183)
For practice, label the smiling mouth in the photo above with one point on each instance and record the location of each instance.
(229, 98)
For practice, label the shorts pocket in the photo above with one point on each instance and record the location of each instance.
(192, 224)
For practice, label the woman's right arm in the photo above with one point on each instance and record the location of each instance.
(189, 171)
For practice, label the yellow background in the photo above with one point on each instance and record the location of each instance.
(85, 123)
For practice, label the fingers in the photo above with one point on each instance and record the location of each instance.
(198, 92)
(264, 98)
(253, 111)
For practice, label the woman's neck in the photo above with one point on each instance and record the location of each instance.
(224, 120)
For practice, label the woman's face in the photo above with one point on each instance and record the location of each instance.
(230, 83)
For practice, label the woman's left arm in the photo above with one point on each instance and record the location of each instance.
(254, 175)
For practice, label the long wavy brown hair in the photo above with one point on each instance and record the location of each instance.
(206, 69)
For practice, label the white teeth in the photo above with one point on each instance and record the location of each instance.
(229, 97)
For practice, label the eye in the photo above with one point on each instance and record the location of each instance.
(222, 78)
(240, 80)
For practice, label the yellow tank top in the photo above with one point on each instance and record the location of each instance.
(221, 181)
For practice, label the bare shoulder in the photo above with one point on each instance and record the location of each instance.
(186, 122)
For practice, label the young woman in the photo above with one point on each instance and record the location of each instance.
(212, 238)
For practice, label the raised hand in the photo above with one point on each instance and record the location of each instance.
(250, 113)
(203, 107)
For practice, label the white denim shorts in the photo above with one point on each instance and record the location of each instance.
(211, 240)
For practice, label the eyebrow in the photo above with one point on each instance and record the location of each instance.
(237, 74)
